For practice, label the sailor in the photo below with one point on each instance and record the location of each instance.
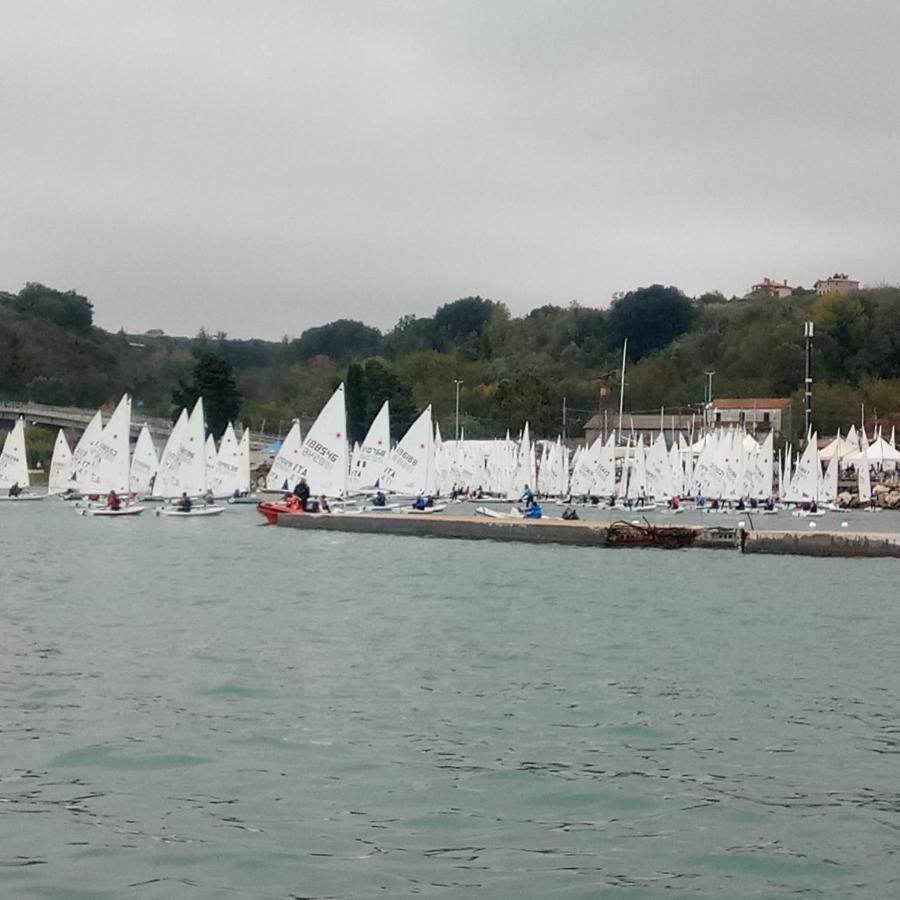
(301, 491)
(420, 502)
(14, 489)
(113, 502)
(323, 504)
(528, 497)
(184, 504)
(379, 499)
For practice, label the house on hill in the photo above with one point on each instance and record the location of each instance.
(837, 284)
(769, 288)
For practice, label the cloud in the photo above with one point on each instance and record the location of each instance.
(261, 170)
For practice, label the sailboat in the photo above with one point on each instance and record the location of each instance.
(371, 457)
(106, 467)
(60, 466)
(286, 468)
(14, 465)
(144, 464)
(187, 474)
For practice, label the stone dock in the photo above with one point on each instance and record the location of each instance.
(582, 533)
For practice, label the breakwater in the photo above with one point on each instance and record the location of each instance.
(593, 534)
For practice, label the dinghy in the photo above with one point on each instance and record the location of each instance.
(14, 466)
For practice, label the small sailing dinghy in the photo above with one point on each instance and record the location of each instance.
(183, 470)
(105, 468)
(14, 467)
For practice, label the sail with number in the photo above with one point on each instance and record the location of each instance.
(324, 454)
(371, 457)
(286, 467)
(13, 462)
(407, 468)
(60, 479)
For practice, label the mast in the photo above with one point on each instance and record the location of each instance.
(622, 385)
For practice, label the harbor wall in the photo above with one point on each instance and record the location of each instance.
(592, 534)
(822, 543)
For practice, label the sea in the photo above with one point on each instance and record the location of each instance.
(214, 708)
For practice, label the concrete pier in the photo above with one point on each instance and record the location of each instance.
(583, 533)
(823, 543)
(579, 533)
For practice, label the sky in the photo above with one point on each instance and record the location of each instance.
(264, 168)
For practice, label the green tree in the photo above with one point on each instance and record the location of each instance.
(214, 382)
(342, 341)
(650, 318)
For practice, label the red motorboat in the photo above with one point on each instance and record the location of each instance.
(270, 510)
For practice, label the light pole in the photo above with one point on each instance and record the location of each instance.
(709, 396)
(807, 412)
(457, 382)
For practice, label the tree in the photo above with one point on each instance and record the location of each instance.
(650, 318)
(462, 319)
(214, 382)
(368, 385)
(342, 341)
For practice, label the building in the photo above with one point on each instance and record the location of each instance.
(837, 284)
(646, 425)
(769, 288)
(753, 413)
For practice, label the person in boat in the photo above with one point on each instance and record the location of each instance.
(184, 504)
(379, 499)
(323, 504)
(674, 503)
(113, 502)
(292, 503)
(769, 505)
(301, 492)
(533, 512)
(420, 502)
(740, 506)
(813, 506)
(528, 497)
(208, 497)
(14, 489)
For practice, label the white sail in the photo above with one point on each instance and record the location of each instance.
(324, 454)
(162, 485)
(225, 476)
(804, 485)
(828, 489)
(407, 468)
(584, 474)
(244, 462)
(13, 462)
(212, 454)
(84, 449)
(108, 468)
(144, 463)
(60, 466)
(863, 475)
(286, 467)
(183, 467)
(525, 467)
(371, 457)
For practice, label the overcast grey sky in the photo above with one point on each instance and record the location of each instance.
(263, 167)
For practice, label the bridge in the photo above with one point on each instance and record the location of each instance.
(74, 420)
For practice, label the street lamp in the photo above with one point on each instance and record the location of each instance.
(457, 382)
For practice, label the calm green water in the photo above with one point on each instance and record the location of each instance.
(213, 709)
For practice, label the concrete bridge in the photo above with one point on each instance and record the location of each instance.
(72, 418)
(75, 419)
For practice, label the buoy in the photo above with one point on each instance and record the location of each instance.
(741, 524)
(843, 524)
(812, 524)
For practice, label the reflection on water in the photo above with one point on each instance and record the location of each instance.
(217, 709)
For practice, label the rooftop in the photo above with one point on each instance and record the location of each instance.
(752, 403)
